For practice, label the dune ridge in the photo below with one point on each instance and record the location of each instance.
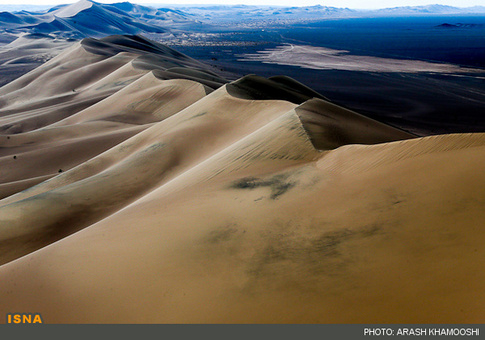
(141, 187)
(67, 103)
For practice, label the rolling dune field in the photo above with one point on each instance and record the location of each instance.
(137, 186)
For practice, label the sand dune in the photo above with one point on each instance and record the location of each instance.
(82, 19)
(187, 199)
(94, 19)
(72, 10)
(26, 52)
(80, 104)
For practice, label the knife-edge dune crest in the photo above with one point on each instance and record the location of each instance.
(137, 186)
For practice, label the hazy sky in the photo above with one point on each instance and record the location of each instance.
(335, 3)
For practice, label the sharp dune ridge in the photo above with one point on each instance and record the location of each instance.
(141, 187)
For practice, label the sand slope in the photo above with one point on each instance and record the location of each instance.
(81, 103)
(27, 52)
(183, 199)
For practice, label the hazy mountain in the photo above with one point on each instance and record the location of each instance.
(239, 13)
(459, 25)
(429, 9)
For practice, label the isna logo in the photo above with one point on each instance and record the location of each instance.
(24, 318)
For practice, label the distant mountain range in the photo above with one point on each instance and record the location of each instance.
(429, 10)
(459, 25)
(243, 12)
(91, 19)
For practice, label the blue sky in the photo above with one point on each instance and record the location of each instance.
(336, 3)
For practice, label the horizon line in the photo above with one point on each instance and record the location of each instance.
(201, 4)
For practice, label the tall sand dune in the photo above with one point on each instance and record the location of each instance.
(157, 192)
